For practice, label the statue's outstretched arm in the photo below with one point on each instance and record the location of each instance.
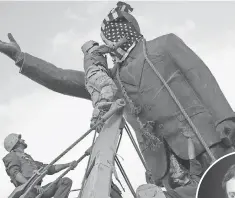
(68, 82)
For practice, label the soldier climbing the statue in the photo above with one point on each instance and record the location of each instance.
(98, 79)
(174, 102)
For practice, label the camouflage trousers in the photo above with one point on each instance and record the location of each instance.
(61, 189)
(101, 88)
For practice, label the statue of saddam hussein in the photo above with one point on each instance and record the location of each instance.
(179, 102)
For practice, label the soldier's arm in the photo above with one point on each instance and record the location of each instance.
(69, 82)
(56, 168)
(20, 178)
(12, 165)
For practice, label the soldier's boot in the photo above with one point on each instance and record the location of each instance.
(100, 126)
(93, 122)
(104, 105)
(96, 117)
(149, 191)
(100, 109)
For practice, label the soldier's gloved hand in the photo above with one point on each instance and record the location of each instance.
(226, 129)
(39, 189)
(11, 49)
(36, 172)
(99, 128)
(73, 165)
(104, 105)
(88, 151)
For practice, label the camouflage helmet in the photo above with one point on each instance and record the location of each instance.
(88, 45)
(11, 140)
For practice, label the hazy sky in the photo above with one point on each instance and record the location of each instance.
(55, 31)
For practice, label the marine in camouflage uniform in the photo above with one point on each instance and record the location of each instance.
(20, 167)
(97, 78)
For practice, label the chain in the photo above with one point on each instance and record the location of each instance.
(178, 173)
(135, 111)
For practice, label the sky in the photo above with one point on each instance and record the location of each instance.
(55, 31)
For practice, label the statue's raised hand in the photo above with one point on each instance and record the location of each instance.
(11, 49)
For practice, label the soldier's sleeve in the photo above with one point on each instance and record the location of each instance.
(65, 81)
(103, 49)
(51, 169)
(199, 77)
(12, 164)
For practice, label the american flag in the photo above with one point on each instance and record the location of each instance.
(116, 26)
(124, 7)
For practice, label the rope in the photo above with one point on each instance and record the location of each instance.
(178, 103)
(62, 175)
(87, 168)
(136, 147)
(119, 141)
(135, 111)
(74, 190)
(125, 176)
(114, 169)
(57, 158)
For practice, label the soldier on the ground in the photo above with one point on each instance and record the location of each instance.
(20, 167)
